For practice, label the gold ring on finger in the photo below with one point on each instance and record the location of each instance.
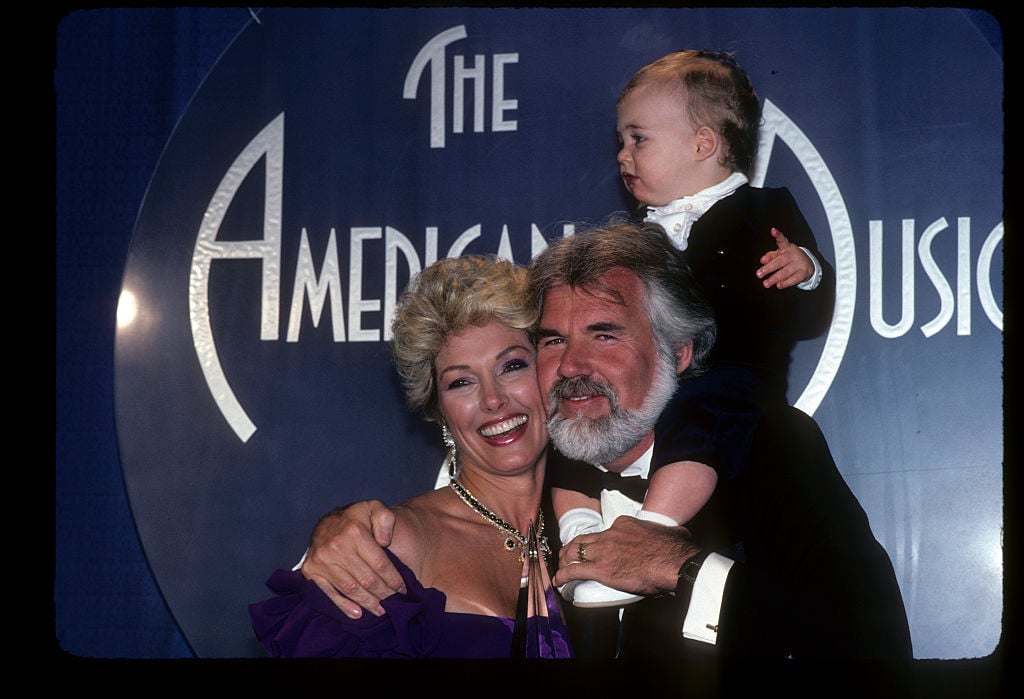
(581, 553)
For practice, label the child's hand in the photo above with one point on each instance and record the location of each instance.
(787, 266)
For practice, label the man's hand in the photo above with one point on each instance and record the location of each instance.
(346, 557)
(786, 266)
(632, 555)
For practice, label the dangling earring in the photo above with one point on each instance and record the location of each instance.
(449, 441)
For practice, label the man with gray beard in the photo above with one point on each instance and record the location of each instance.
(616, 335)
(781, 561)
(603, 438)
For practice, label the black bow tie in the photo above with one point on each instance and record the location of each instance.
(633, 487)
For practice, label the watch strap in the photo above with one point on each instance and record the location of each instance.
(688, 571)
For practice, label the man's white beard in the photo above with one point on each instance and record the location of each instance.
(606, 438)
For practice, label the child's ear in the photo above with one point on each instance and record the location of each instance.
(706, 143)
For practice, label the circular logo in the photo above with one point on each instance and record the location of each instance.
(327, 157)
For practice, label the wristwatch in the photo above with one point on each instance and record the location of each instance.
(688, 571)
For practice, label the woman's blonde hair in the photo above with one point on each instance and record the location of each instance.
(444, 299)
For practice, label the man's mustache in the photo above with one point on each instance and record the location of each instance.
(576, 386)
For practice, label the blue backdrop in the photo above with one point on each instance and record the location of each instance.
(258, 186)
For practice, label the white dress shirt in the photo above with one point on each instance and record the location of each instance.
(701, 621)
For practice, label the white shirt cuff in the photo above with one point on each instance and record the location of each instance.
(701, 622)
(812, 283)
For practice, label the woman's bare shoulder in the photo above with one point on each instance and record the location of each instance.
(417, 523)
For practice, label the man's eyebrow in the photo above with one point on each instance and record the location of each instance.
(605, 326)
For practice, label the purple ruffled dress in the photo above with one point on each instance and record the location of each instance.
(300, 621)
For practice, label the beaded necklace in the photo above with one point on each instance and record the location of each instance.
(514, 538)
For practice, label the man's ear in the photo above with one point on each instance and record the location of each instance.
(707, 143)
(684, 355)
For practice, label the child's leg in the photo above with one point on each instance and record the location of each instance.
(577, 513)
(580, 520)
(677, 492)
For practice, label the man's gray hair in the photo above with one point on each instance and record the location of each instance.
(675, 306)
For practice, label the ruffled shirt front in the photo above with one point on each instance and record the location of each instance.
(300, 621)
(677, 217)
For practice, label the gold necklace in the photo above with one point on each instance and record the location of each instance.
(513, 537)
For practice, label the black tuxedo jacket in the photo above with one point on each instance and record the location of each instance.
(757, 327)
(810, 582)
